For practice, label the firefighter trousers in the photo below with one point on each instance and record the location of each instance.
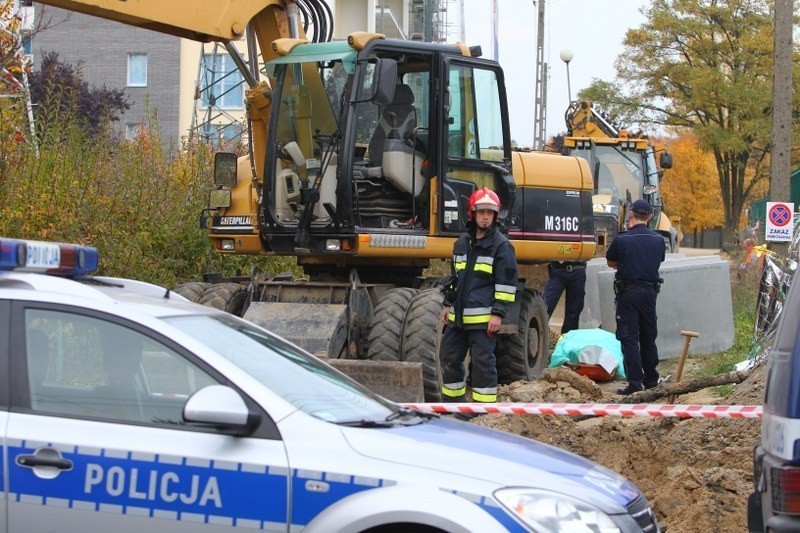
(455, 344)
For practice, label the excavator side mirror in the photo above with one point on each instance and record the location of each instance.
(380, 78)
(665, 160)
(225, 168)
(384, 81)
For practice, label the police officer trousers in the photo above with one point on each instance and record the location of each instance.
(573, 280)
(455, 344)
(637, 331)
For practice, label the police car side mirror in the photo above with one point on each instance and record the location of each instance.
(222, 408)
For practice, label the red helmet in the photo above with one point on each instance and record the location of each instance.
(483, 199)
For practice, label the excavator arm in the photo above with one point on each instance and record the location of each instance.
(583, 121)
(199, 20)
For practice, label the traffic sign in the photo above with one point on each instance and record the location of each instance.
(779, 221)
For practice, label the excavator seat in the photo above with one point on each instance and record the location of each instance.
(394, 151)
(400, 115)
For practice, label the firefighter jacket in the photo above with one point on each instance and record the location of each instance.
(485, 282)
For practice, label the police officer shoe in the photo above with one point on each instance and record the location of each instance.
(630, 389)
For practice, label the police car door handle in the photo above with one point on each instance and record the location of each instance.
(32, 461)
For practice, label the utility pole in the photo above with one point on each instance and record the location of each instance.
(780, 163)
(540, 89)
(428, 23)
(495, 43)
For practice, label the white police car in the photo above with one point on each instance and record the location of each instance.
(127, 408)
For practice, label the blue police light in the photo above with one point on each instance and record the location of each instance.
(47, 257)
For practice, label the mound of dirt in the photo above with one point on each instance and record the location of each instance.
(697, 473)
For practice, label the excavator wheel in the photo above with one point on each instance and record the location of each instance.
(386, 330)
(228, 297)
(422, 336)
(193, 290)
(524, 356)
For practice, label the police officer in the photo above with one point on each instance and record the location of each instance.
(485, 283)
(569, 276)
(636, 255)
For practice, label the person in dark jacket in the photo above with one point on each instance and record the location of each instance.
(569, 276)
(485, 268)
(637, 255)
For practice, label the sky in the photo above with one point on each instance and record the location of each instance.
(592, 29)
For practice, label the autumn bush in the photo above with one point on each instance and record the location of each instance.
(138, 201)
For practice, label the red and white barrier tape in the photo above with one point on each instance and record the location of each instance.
(654, 410)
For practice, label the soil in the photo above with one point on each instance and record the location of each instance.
(697, 473)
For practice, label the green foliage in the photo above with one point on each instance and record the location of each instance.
(706, 65)
(137, 201)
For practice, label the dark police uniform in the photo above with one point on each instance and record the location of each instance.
(639, 253)
(569, 276)
(486, 283)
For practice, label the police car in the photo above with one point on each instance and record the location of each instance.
(128, 408)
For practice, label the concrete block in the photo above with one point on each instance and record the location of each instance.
(696, 295)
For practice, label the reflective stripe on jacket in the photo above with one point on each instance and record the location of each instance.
(486, 279)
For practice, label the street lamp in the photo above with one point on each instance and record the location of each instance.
(566, 57)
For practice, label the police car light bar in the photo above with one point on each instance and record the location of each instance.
(47, 257)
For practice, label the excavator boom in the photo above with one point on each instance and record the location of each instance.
(199, 20)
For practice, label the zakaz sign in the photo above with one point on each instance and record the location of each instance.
(780, 216)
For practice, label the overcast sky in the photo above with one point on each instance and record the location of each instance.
(592, 29)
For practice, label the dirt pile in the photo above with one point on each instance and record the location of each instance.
(697, 473)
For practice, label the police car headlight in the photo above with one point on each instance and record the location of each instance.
(547, 511)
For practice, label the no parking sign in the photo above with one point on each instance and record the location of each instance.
(779, 221)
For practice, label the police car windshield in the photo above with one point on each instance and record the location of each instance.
(296, 376)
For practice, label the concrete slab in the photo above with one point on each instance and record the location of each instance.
(696, 295)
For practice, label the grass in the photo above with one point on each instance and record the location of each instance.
(744, 295)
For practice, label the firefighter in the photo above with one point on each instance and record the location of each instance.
(484, 284)
(636, 255)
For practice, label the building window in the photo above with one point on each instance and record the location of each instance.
(222, 133)
(133, 130)
(221, 84)
(26, 44)
(137, 70)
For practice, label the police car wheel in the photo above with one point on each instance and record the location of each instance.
(229, 297)
(524, 356)
(386, 329)
(193, 290)
(422, 337)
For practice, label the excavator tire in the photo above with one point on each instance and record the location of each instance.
(386, 330)
(193, 290)
(524, 356)
(229, 297)
(422, 336)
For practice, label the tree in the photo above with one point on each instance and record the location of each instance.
(12, 57)
(707, 65)
(60, 90)
(691, 189)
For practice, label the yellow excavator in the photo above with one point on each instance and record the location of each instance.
(364, 153)
(624, 170)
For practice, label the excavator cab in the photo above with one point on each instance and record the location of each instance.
(360, 143)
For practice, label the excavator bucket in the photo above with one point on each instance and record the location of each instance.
(317, 328)
(322, 329)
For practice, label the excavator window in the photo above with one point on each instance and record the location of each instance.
(477, 145)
